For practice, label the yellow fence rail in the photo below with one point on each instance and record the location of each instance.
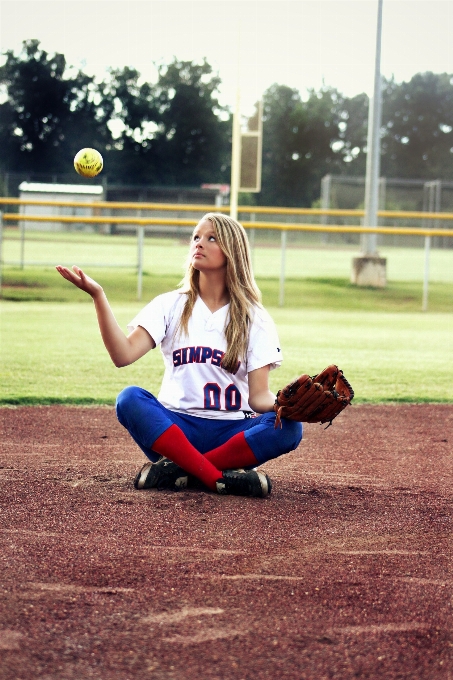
(142, 222)
(277, 226)
(244, 209)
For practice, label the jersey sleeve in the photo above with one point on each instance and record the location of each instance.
(264, 344)
(156, 317)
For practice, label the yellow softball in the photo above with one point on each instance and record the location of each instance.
(88, 162)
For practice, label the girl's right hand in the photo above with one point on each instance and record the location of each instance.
(77, 277)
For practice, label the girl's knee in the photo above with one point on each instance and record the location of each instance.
(293, 433)
(126, 401)
(288, 436)
(268, 442)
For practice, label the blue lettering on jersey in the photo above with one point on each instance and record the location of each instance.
(206, 353)
(194, 355)
(217, 357)
(199, 355)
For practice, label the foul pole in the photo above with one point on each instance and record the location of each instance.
(369, 241)
(236, 134)
(236, 156)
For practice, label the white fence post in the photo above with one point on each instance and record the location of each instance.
(426, 274)
(140, 238)
(22, 244)
(326, 190)
(281, 299)
(252, 240)
(1, 252)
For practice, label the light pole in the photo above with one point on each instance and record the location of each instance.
(236, 134)
(369, 269)
(236, 156)
(373, 161)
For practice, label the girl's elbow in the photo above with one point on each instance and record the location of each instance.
(253, 405)
(262, 403)
(120, 362)
(256, 406)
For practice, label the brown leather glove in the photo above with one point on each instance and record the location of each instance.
(316, 399)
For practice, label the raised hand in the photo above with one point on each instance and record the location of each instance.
(78, 278)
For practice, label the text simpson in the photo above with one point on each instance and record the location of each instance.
(198, 355)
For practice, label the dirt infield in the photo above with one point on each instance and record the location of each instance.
(345, 571)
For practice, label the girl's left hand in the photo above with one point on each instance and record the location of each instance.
(78, 278)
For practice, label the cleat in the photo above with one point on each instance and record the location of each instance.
(244, 483)
(164, 474)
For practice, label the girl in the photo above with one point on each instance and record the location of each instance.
(218, 345)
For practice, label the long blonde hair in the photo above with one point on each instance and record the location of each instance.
(240, 282)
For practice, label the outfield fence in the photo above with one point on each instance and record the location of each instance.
(141, 224)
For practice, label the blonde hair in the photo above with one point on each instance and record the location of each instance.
(240, 282)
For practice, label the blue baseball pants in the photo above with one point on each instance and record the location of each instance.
(146, 419)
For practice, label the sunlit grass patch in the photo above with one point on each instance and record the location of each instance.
(54, 353)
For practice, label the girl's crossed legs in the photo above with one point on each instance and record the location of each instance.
(203, 446)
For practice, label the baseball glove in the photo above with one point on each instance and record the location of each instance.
(315, 399)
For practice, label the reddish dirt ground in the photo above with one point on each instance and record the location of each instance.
(345, 571)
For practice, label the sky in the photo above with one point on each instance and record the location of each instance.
(253, 43)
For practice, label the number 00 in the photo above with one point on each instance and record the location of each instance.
(213, 393)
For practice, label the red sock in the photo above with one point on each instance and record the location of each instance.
(235, 453)
(173, 444)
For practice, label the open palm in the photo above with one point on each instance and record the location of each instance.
(77, 277)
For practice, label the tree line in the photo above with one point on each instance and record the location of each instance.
(174, 132)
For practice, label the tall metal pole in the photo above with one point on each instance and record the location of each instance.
(426, 274)
(369, 241)
(281, 297)
(236, 137)
(140, 239)
(236, 157)
(1, 252)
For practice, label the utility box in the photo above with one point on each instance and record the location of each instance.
(73, 193)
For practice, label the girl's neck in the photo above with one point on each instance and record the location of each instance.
(213, 291)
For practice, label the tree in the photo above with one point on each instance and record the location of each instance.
(193, 141)
(353, 127)
(174, 131)
(416, 132)
(48, 114)
(130, 110)
(300, 144)
(417, 135)
(280, 104)
(171, 132)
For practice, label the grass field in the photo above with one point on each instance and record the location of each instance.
(51, 350)
(166, 256)
(42, 284)
(53, 353)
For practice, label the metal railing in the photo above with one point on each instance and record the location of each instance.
(244, 209)
(142, 222)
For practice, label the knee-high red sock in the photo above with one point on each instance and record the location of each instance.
(235, 453)
(173, 444)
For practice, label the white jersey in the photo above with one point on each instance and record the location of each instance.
(194, 381)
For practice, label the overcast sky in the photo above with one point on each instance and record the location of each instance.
(299, 43)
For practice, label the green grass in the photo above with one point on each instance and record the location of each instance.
(403, 264)
(44, 284)
(51, 350)
(166, 256)
(388, 357)
(53, 353)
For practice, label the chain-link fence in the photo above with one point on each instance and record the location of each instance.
(344, 192)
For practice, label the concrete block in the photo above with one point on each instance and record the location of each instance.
(369, 271)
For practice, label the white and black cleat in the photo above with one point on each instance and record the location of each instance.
(164, 474)
(244, 483)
